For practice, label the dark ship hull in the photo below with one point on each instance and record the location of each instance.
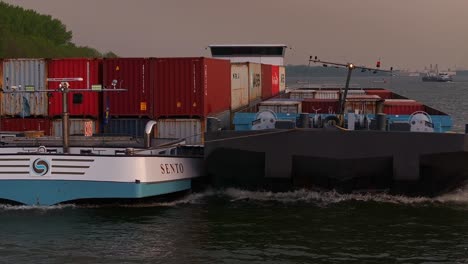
(407, 163)
(436, 79)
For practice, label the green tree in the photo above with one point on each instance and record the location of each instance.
(28, 34)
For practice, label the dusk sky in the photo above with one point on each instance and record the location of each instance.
(403, 33)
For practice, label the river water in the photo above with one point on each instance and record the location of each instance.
(235, 226)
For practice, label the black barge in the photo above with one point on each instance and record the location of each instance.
(408, 163)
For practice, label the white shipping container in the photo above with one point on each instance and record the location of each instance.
(327, 95)
(282, 79)
(24, 75)
(301, 94)
(78, 126)
(189, 129)
(239, 85)
(287, 107)
(255, 82)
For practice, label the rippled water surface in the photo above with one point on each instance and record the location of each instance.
(235, 226)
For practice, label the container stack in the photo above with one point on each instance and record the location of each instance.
(270, 81)
(320, 106)
(127, 112)
(402, 106)
(282, 79)
(83, 107)
(23, 106)
(255, 83)
(187, 96)
(285, 106)
(191, 96)
(362, 103)
(239, 86)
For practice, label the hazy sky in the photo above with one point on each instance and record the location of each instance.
(403, 33)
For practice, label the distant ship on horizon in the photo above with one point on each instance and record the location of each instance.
(433, 75)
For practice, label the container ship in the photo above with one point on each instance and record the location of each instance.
(387, 143)
(239, 118)
(348, 140)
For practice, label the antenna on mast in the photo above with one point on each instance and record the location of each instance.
(350, 67)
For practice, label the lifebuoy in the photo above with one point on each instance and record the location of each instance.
(42, 149)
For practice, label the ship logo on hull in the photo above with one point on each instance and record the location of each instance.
(40, 167)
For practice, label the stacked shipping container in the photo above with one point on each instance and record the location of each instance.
(320, 106)
(402, 106)
(281, 106)
(362, 103)
(132, 74)
(177, 91)
(270, 81)
(282, 79)
(77, 126)
(255, 83)
(188, 91)
(82, 104)
(239, 85)
(188, 87)
(27, 109)
(24, 75)
(26, 124)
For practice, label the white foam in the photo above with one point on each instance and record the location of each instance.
(457, 196)
(36, 208)
(333, 197)
(321, 198)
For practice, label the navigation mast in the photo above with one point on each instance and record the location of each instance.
(350, 67)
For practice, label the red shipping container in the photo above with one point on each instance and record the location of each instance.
(132, 74)
(383, 93)
(88, 69)
(323, 106)
(188, 87)
(26, 124)
(270, 80)
(402, 107)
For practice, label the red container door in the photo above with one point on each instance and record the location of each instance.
(132, 74)
(79, 104)
(275, 80)
(26, 124)
(218, 86)
(402, 108)
(320, 106)
(266, 81)
(188, 87)
(179, 86)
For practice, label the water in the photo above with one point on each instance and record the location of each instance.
(236, 226)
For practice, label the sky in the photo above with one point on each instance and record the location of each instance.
(404, 34)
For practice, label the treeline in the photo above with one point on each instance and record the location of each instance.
(330, 71)
(27, 34)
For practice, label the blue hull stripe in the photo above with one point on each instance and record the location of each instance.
(53, 192)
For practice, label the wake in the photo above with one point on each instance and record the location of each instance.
(233, 195)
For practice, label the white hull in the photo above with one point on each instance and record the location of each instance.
(142, 175)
